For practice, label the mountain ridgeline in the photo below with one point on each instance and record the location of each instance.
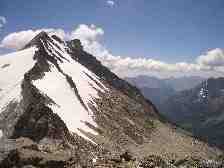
(159, 90)
(60, 107)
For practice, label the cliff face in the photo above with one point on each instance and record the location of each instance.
(60, 107)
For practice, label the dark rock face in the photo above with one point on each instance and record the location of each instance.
(75, 45)
(38, 122)
(37, 39)
(5, 66)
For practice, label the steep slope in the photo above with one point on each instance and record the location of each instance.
(200, 110)
(60, 105)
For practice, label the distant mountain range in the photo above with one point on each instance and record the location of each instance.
(199, 110)
(194, 103)
(158, 90)
(177, 84)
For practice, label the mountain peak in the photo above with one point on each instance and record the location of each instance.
(37, 39)
(41, 35)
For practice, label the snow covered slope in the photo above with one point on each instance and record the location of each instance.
(12, 69)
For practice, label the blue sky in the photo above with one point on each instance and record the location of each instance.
(173, 30)
(167, 30)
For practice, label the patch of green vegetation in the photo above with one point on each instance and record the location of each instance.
(189, 163)
(220, 158)
(130, 164)
(153, 161)
(149, 124)
(76, 44)
(187, 126)
(194, 164)
(180, 162)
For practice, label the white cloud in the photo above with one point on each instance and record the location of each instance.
(110, 3)
(213, 58)
(87, 33)
(18, 40)
(2, 21)
(91, 39)
(210, 64)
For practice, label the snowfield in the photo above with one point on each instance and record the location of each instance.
(1, 134)
(12, 69)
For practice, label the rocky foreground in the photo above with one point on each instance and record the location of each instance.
(24, 153)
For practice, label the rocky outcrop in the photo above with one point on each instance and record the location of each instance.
(28, 154)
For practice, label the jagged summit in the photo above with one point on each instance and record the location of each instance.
(37, 39)
(43, 36)
(65, 101)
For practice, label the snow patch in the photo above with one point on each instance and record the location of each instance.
(1, 133)
(10, 94)
(95, 159)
